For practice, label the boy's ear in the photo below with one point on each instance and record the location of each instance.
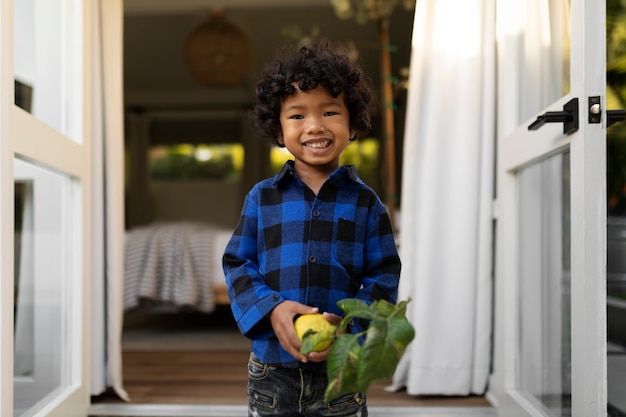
(279, 139)
(352, 135)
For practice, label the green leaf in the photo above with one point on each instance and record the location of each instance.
(311, 338)
(345, 351)
(354, 308)
(342, 366)
(352, 304)
(401, 307)
(354, 367)
(385, 308)
(385, 343)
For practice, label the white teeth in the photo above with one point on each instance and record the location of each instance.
(318, 144)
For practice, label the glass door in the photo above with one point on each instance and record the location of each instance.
(45, 159)
(616, 211)
(551, 247)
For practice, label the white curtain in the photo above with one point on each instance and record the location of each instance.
(447, 194)
(108, 200)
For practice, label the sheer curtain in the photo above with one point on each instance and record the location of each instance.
(447, 194)
(108, 200)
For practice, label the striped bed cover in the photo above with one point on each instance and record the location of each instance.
(174, 263)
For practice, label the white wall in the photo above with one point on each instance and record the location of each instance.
(214, 202)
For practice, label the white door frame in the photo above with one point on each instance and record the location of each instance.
(6, 208)
(587, 147)
(25, 136)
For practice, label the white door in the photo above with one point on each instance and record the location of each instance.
(551, 210)
(45, 160)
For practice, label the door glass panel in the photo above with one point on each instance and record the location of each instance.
(42, 278)
(616, 210)
(544, 256)
(47, 81)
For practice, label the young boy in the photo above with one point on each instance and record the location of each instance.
(309, 237)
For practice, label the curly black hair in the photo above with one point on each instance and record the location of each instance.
(319, 63)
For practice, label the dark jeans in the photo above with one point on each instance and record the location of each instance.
(289, 392)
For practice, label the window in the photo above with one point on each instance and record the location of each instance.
(187, 161)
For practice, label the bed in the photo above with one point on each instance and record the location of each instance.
(175, 265)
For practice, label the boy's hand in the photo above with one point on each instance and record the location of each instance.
(282, 317)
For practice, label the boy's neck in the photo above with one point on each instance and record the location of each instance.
(314, 176)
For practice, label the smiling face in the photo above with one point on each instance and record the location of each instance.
(315, 129)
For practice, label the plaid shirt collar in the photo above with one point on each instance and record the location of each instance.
(344, 171)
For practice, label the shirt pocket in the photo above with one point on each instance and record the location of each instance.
(349, 241)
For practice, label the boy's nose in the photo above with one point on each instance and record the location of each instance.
(315, 126)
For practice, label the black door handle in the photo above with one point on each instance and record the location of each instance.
(569, 118)
(614, 116)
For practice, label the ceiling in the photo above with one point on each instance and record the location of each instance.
(155, 31)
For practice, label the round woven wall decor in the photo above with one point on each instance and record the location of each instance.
(218, 53)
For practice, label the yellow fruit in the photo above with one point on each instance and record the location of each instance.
(310, 324)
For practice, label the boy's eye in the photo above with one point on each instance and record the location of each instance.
(296, 116)
(330, 113)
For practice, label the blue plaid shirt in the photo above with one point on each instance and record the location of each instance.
(292, 245)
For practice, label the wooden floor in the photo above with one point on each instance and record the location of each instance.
(220, 378)
(195, 359)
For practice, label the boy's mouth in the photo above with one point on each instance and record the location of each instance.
(318, 144)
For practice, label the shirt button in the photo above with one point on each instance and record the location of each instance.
(316, 213)
(312, 259)
(275, 297)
